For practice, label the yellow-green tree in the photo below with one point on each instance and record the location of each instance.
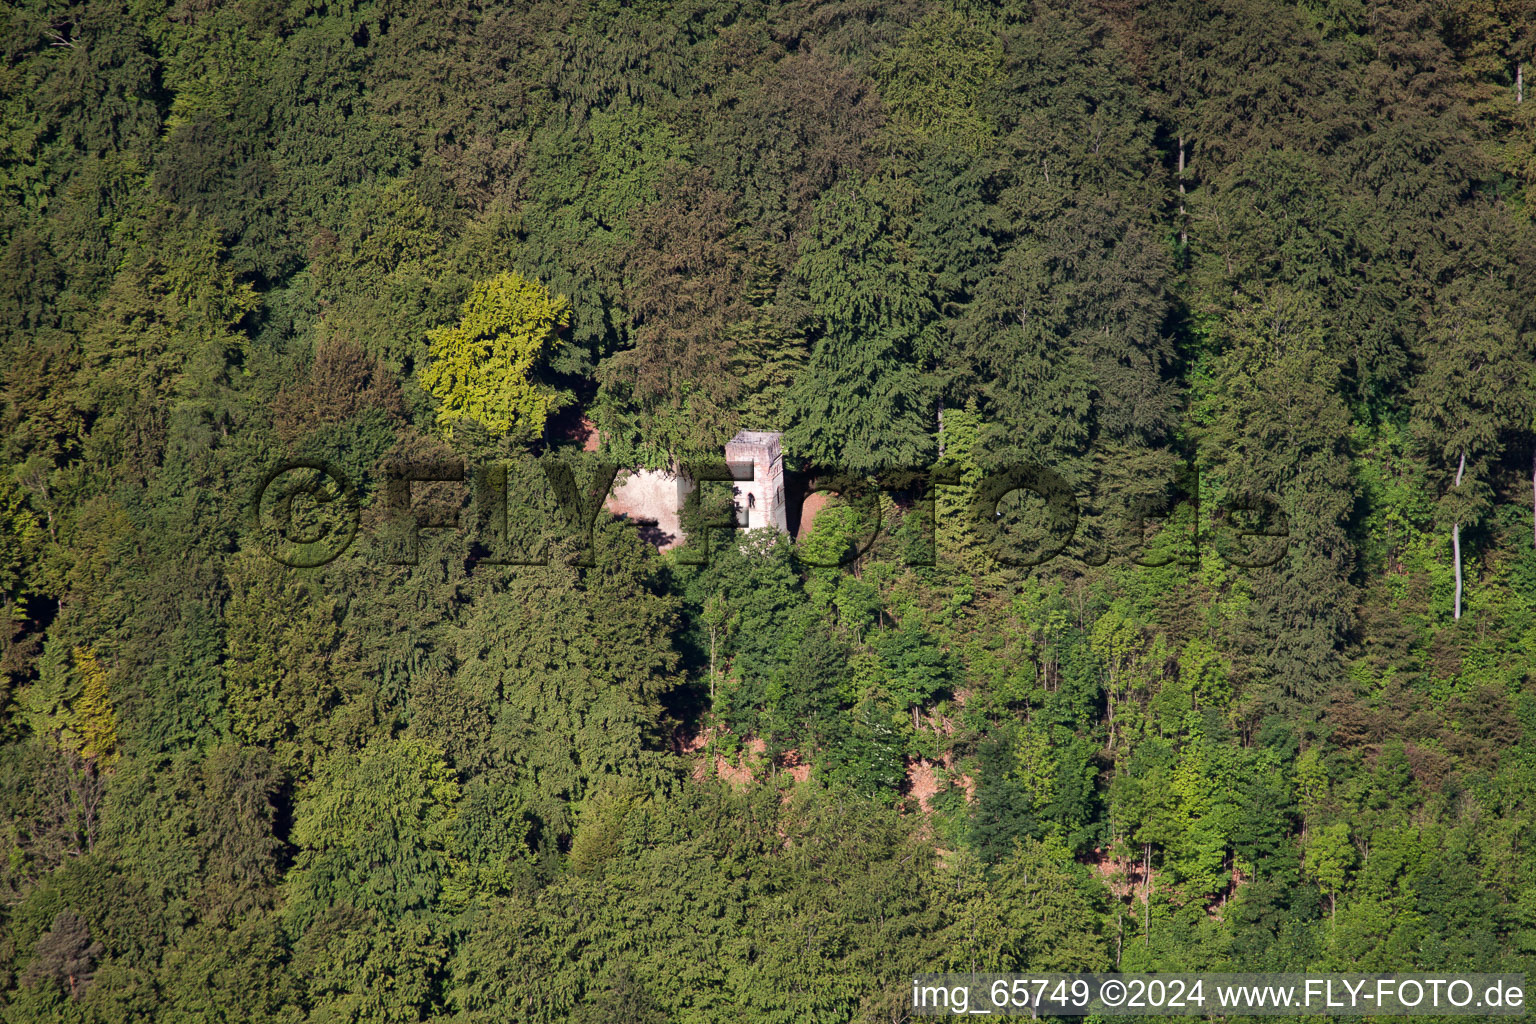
(482, 368)
(71, 702)
(95, 720)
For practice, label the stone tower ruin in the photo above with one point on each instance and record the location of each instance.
(760, 501)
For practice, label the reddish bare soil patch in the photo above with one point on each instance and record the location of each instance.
(791, 765)
(1216, 909)
(942, 724)
(1123, 877)
(571, 425)
(813, 504)
(682, 743)
(922, 784)
(737, 773)
(746, 767)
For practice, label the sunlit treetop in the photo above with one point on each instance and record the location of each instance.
(484, 367)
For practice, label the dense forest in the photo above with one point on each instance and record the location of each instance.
(1209, 262)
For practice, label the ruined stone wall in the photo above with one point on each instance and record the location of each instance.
(654, 498)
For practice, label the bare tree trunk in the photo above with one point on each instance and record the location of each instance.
(1456, 538)
(1146, 895)
(1456, 555)
(1109, 714)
